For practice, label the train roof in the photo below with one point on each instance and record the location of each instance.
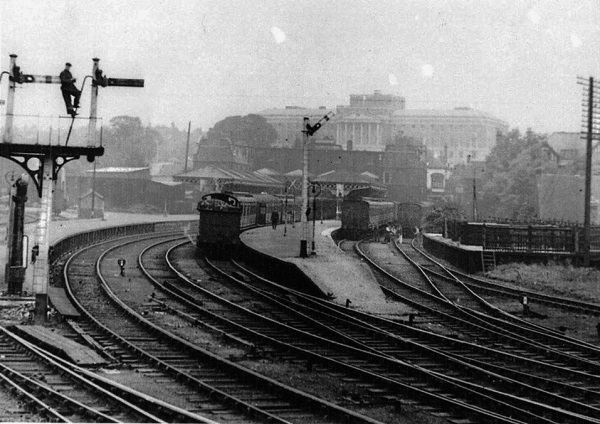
(264, 197)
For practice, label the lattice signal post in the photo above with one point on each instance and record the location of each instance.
(43, 162)
(590, 131)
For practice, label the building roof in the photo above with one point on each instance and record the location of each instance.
(118, 169)
(369, 175)
(164, 169)
(346, 177)
(89, 192)
(268, 171)
(446, 113)
(295, 111)
(295, 173)
(358, 117)
(220, 173)
(567, 141)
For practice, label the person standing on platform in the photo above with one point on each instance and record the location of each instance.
(68, 89)
(274, 219)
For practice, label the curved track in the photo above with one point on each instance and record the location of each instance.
(213, 385)
(354, 339)
(59, 391)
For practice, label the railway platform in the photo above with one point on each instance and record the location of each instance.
(333, 271)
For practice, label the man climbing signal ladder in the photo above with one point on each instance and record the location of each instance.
(68, 89)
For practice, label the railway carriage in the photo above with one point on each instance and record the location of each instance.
(250, 210)
(361, 217)
(267, 204)
(412, 215)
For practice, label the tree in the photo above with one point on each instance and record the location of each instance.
(251, 130)
(510, 178)
(172, 145)
(437, 218)
(128, 143)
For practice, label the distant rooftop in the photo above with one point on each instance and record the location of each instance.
(295, 111)
(119, 169)
(450, 113)
(567, 141)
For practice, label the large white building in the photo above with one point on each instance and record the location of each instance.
(288, 123)
(372, 121)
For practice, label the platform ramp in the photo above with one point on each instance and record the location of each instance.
(49, 339)
(62, 304)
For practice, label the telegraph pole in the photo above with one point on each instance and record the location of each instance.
(187, 147)
(591, 117)
(474, 189)
(307, 131)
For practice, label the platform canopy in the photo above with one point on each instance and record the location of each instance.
(334, 181)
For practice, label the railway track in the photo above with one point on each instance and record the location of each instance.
(570, 351)
(353, 338)
(519, 360)
(535, 332)
(213, 386)
(57, 391)
(497, 290)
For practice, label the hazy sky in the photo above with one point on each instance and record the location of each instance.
(205, 60)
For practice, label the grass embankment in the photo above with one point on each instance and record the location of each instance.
(554, 279)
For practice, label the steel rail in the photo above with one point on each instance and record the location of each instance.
(140, 352)
(499, 327)
(579, 406)
(518, 323)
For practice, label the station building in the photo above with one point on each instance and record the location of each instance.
(131, 189)
(371, 121)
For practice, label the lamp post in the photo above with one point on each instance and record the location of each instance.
(315, 193)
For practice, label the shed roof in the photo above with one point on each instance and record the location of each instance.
(89, 192)
(347, 177)
(216, 172)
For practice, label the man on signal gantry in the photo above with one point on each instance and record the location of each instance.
(68, 89)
